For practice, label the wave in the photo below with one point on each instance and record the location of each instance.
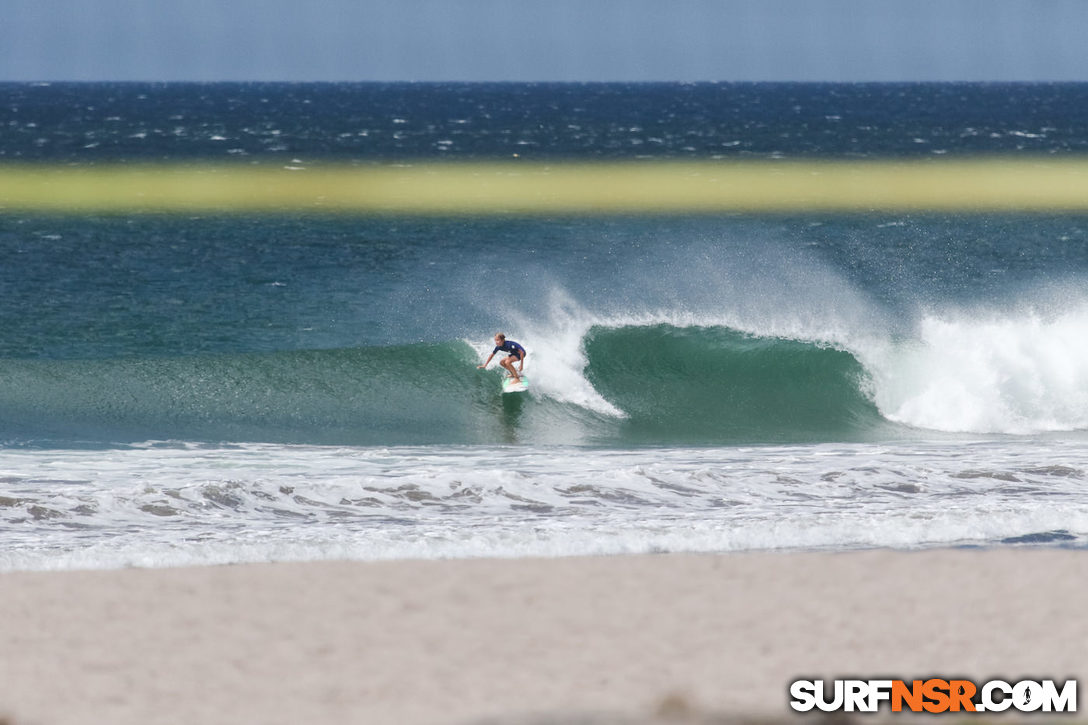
(658, 383)
(711, 384)
(1020, 374)
(396, 394)
(602, 383)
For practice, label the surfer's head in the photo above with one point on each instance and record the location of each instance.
(499, 338)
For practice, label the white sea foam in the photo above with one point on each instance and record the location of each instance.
(1011, 373)
(558, 356)
(174, 504)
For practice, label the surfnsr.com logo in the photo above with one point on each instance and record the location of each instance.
(933, 695)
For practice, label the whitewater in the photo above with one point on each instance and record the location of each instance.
(181, 390)
(167, 504)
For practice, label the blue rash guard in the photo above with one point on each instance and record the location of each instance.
(511, 347)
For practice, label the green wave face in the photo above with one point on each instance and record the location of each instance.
(384, 395)
(714, 384)
(692, 385)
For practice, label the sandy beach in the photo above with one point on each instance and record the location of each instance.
(527, 640)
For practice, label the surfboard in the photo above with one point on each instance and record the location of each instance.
(509, 386)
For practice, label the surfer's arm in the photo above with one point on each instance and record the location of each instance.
(486, 362)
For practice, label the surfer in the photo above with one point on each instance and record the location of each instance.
(516, 352)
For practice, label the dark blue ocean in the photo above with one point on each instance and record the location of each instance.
(191, 389)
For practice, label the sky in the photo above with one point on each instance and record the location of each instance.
(544, 40)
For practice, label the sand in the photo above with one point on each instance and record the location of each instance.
(466, 641)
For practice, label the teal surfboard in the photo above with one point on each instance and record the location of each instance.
(509, 386)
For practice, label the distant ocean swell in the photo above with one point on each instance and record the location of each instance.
(626, 384)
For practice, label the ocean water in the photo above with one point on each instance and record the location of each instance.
(205, 389)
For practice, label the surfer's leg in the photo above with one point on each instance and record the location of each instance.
(508, 363)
